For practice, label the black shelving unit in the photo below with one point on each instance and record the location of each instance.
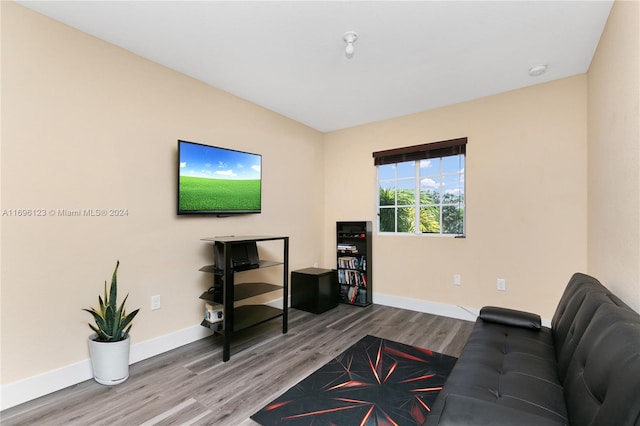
(354, 262)
(225, 292)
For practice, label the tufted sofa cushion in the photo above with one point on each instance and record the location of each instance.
(602, 384)
(512, 368)
(580, 300)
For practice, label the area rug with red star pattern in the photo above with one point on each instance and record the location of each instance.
(374, 382)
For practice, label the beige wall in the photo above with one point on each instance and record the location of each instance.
(526, 199)
(88, 125)
(614, 154)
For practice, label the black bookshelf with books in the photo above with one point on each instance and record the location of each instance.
(353, 262)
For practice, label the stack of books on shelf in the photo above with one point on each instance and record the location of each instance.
(347, 248)
(351, 277)
(350, 262)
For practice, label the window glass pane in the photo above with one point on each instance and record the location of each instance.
(406, 170)
(387, 220)
(405, 219)
(430, 190)
(452, 220)
(451, 189)
(386, 172)
(430, 167)
(430, 219)
(453, 164)
(406, 192)
(387, 195)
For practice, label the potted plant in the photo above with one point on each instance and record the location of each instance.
(109, 344)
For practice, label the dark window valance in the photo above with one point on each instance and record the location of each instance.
(421, 152)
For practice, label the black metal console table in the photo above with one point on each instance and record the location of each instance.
(224, 292)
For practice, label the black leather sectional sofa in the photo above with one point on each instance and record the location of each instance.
(584, 370)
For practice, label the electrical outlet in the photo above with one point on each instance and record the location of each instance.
(501, 284)
(456, 279)
(155, 302)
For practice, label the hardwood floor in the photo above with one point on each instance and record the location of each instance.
(192, 386)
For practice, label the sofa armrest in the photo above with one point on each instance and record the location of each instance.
(510, 317)
(462, 410)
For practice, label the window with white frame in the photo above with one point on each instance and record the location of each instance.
(421, 189)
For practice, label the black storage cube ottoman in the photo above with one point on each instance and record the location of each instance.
(314, 290)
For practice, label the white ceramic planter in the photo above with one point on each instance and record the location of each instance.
(109, 360)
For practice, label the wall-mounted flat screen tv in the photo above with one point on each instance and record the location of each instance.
(214, 180)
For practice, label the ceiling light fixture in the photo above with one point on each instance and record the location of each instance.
(349, 37)
(537, 70)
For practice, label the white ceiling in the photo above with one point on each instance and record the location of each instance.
(411, 56)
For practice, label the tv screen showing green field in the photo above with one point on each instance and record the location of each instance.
(218, 180)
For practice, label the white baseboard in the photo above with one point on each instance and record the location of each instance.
(435, 308)
(16, 393)
(162, 344)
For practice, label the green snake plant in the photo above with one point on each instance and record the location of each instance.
(112, 322)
